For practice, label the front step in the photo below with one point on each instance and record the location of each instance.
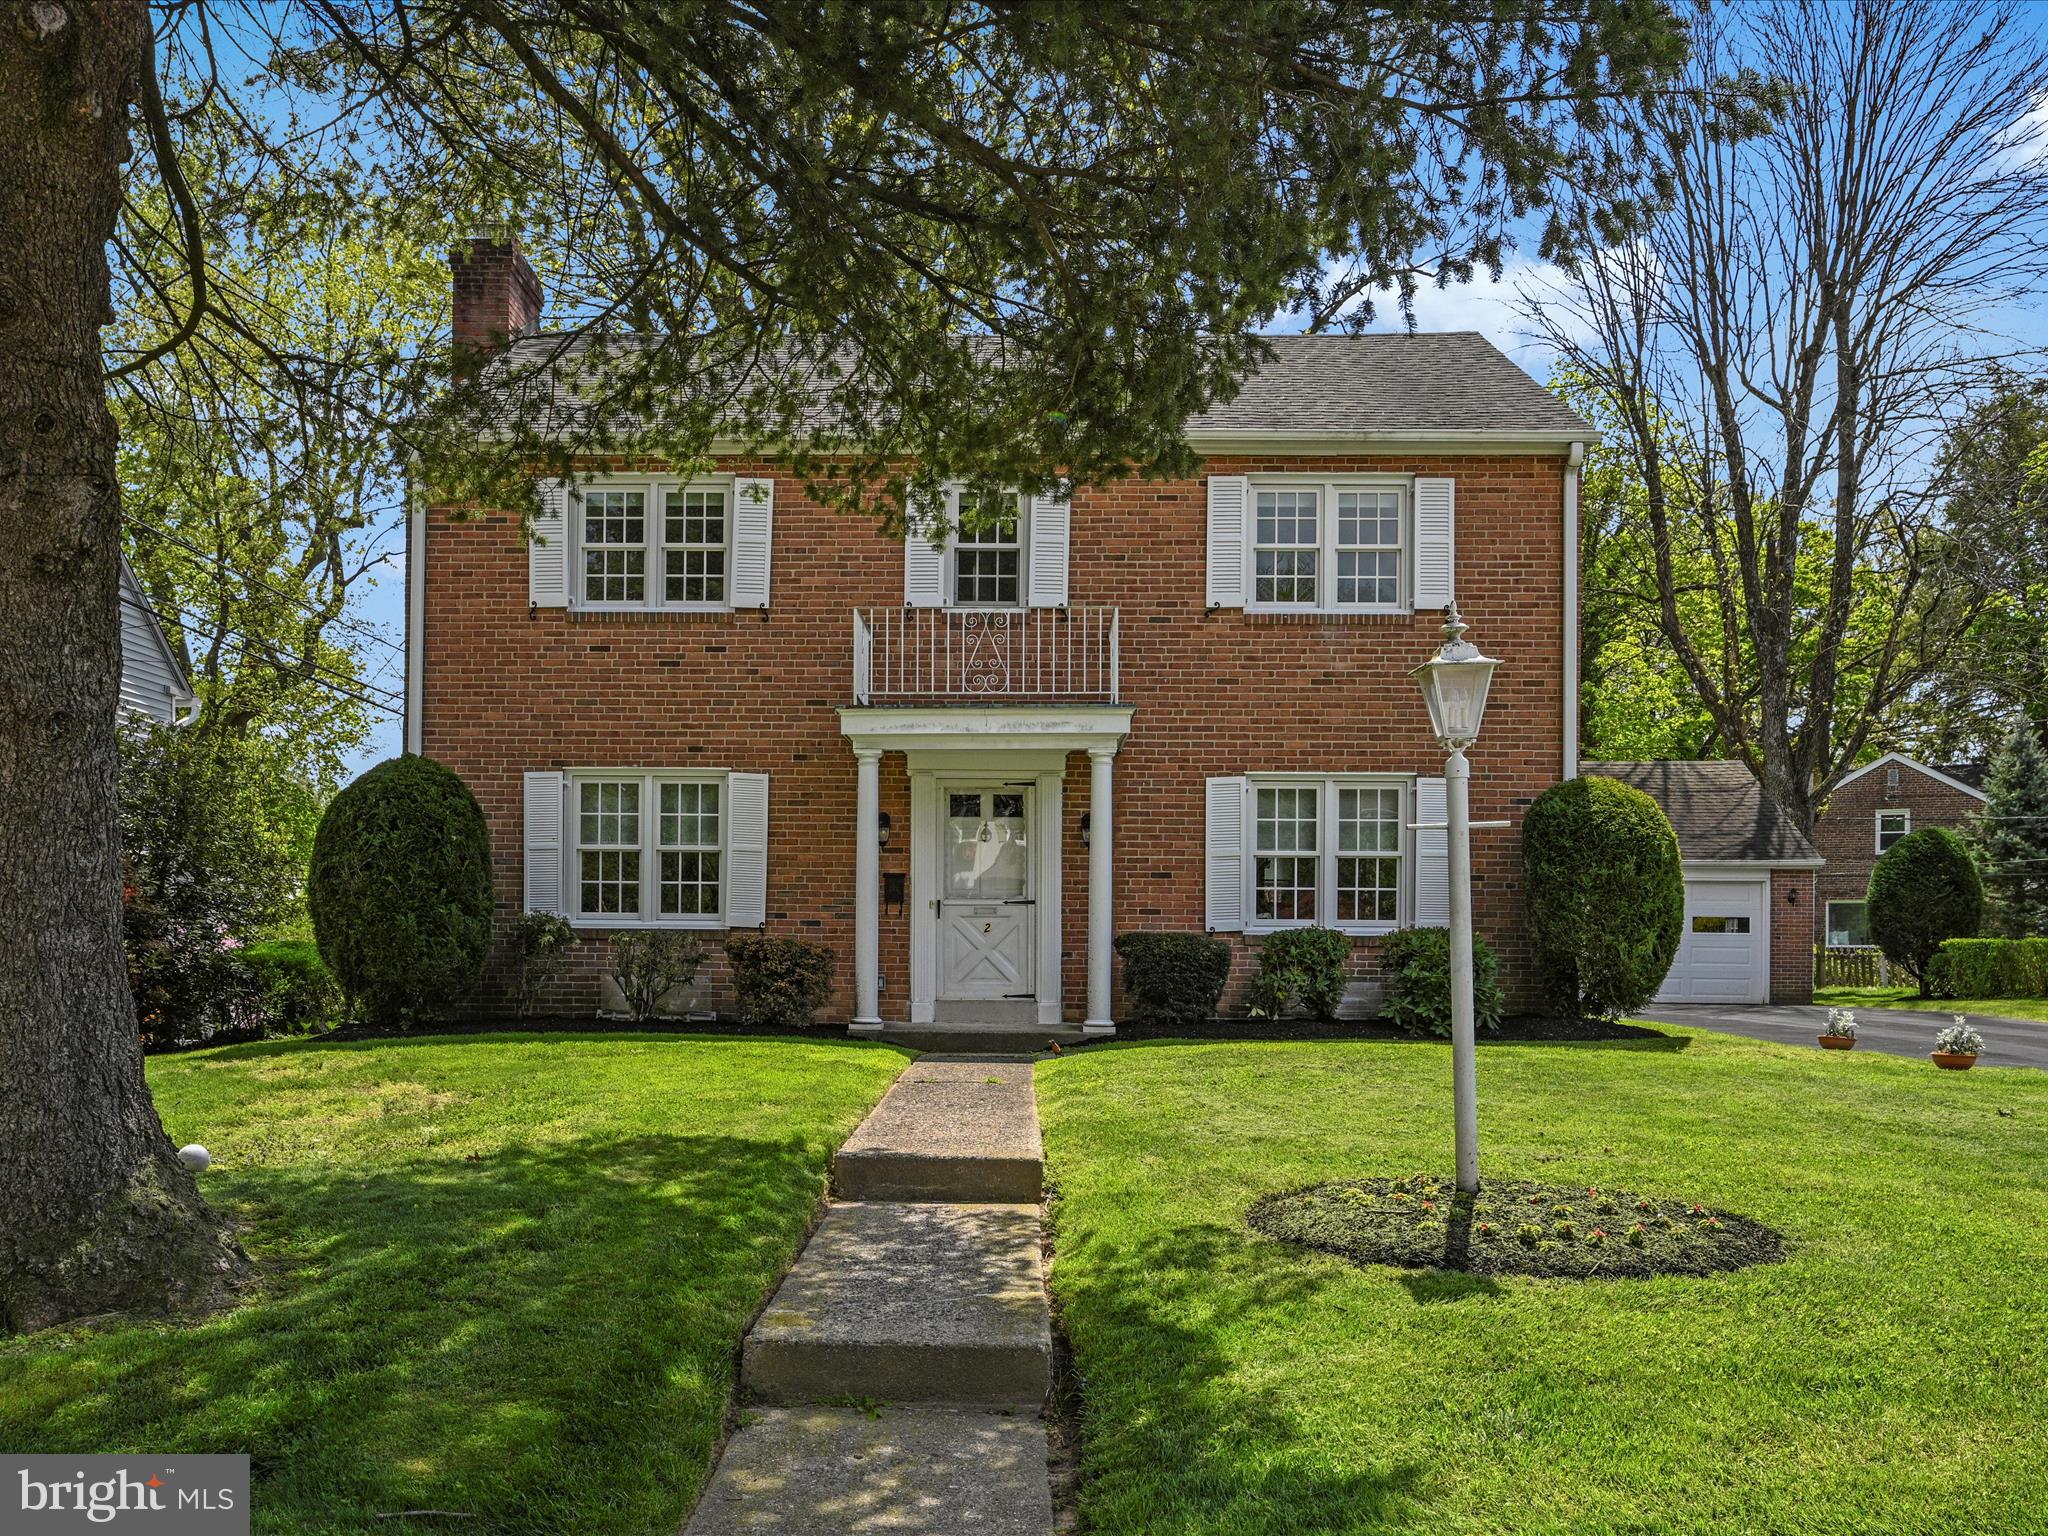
(948, 1130)
(909, 1471)
(981, 1040)
(909, 1303)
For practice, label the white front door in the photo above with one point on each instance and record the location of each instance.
(1723, 949)
(987, 935)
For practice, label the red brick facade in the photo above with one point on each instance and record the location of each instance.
(1791, 898)
(506, 689)
(1845, 832)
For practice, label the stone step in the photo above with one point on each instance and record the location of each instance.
(955, 1040)
(948, 1130)
(908, 1302)
(909, 1471)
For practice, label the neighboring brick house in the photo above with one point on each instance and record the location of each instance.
(1749, 884)
(714, 703)
(1867, 811)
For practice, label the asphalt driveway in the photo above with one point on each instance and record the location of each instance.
(1899, 1031)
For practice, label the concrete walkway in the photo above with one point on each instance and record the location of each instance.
(1897, 1031)
(902, 1366)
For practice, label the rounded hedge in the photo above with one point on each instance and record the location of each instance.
(1605, 895)
(1923, 890)
(400, 890)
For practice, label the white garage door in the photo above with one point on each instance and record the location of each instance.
(1723, 950)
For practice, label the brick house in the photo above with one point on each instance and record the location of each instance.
(713, 703)
(1867, 811)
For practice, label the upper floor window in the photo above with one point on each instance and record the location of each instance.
(1328, 546)
(1891, 826)
(680, 534)
(988, 553)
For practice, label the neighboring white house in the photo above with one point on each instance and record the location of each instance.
(154, 681)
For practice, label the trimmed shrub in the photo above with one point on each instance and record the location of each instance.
(1923, 891)
(537, 945)
(298, 991)
(648, 964)
(1605, 895)
(1173, 978)
(780, 982)
(1418, 962)
(1300, 969)
(400, 890)
(1968, 968)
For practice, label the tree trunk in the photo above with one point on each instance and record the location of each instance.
(96, 1213)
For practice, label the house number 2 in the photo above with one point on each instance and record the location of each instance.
(988, 927)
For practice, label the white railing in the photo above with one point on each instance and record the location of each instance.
(986, 653)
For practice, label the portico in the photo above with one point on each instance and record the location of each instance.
(987, 789)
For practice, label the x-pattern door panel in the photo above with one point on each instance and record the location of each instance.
(987, 935)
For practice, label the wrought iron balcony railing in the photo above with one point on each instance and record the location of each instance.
(997, 655)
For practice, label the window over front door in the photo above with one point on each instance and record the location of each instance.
(988, 553)
(1891, 826)
(1848, 926)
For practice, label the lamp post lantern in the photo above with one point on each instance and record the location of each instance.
(1454, 684)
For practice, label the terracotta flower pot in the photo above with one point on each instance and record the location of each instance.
(1954, 1061)
(1838, 1042)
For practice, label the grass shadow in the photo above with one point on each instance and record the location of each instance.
(1173, 1394)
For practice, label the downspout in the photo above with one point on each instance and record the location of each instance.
(1573, 460)
(415, 608)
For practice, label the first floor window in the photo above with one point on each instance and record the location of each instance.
(614, 546)
(648, 846)
(689, 850)
(1327, 851)
(1285, 879)
(1848, 925)
(608, 847)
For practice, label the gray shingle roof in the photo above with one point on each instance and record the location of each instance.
(1392, 382)
(1382, 383)
(1972, 774)
(1718, 810)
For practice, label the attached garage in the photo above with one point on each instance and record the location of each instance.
(1746, 864)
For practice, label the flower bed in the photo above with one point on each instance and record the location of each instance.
(1515, 1227)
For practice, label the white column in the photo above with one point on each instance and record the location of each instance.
(1101, 918)
(1464, 1065)
(867, 894)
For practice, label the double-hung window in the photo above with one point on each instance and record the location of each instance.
(1332, 546)
(988, 552)
(1891, 826)
(1328, 852)
(647, 849)
(654, 545)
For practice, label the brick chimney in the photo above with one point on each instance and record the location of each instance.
(497, 296)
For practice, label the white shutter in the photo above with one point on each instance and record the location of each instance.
(1436, 521)
(1051, 526)
(924, 562)
(1225, 855)
(746, 850)
(547, 549)
(545, 814)
(1229, 507)
(1432, 856)
(753, 533)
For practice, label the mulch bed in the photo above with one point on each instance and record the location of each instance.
(1519, 1027)
(574, 1024)
(1515, 1227)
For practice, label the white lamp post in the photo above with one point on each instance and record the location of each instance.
(1454, 685)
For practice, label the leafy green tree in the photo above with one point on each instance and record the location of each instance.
(1012, 242)
(1924, 890)
(2010, 837)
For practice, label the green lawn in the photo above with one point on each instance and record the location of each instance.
(505, 1274)
(1889, 1377)
(2035, 1008)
